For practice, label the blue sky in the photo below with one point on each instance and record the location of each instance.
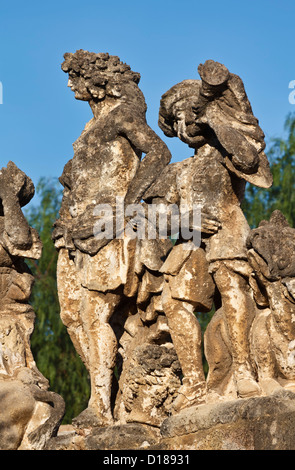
(163, 40)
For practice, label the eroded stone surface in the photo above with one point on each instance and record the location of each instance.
(271, 253)
(150, 384)
(258, 423)
(272, 334)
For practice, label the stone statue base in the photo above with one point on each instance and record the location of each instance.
(261, 423)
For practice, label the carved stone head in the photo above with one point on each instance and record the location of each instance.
(177, 117)
(94, 76)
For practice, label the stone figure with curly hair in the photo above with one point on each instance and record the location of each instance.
(94, 274)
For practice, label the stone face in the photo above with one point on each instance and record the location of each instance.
(17, 408)
(29, 413)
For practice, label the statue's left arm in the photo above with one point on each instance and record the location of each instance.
(157, 155)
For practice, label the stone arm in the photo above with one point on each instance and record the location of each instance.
(175, 220)
(157, 154)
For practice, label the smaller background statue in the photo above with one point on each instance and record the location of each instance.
(29, 414)
(271, 249)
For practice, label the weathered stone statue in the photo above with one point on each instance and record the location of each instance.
(272, 257)
(97, 275)
(29, 414)
(213, 116)
(129, 293)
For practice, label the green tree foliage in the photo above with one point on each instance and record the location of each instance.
(260, 203)
(52, 348)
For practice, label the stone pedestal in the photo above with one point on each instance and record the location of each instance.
(261, 423)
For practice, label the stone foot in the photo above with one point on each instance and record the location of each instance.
(247, 388)
(189, 395)
(269, 386)
(89, 419)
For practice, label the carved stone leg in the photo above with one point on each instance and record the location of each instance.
(96, 311)
(239, 310)
(86, 314)
(186, 335)
(69, 295)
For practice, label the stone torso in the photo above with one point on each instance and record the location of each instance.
(103, 166)
(205, 181)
